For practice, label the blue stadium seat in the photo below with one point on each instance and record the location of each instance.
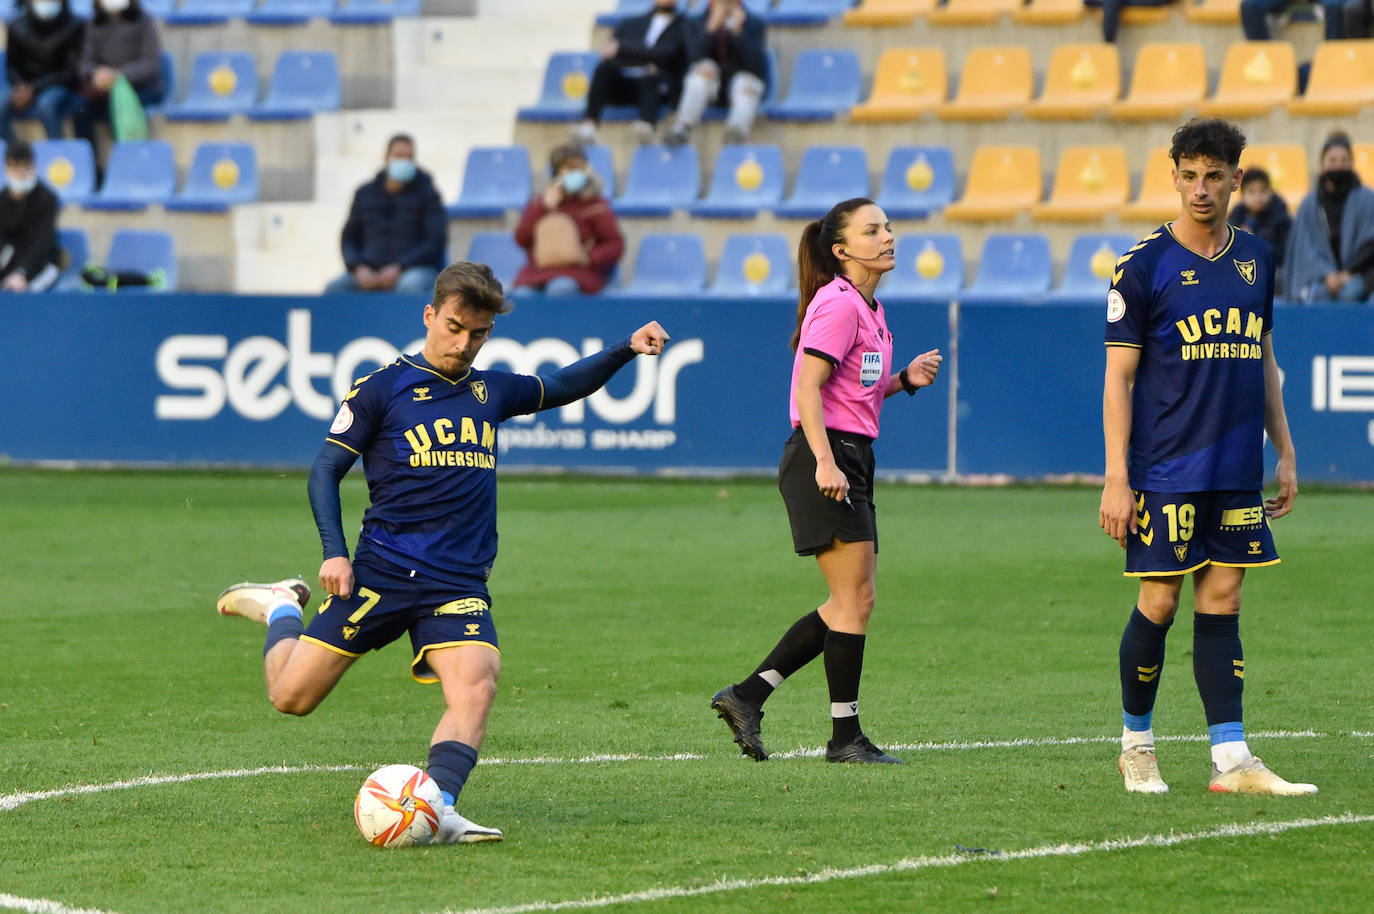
(78, 248)
(221, 175)
(499, 251)
(223, 83)
(303, 82)
(667, 265)
(1088, 273)
(603, 164)
(929, 268)
(825, 82)
(827, 175)
(495, 179)
(661, 179)
(289, 12)
(746, 179)
(563, 96)
(139, 173)
(754, 265)
(1012, 267)
(137, 251)
(170, 85)
(208, 12)
(159, 9)
(373, 12)
(918, 181)
(66, 166)
(624, 9)
(806, 12)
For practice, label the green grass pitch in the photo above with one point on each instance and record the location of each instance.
(622, 605)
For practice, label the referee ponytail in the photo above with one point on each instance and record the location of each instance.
(816, 260)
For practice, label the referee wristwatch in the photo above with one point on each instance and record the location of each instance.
(906, 383)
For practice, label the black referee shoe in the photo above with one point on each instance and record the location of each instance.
(861, 750)
(744, 720)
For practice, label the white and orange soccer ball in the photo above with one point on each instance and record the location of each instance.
(398, 806)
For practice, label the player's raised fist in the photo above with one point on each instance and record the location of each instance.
(649, 339)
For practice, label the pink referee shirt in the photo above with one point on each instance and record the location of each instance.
(841, 328)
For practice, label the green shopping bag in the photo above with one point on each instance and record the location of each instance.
(127, 117)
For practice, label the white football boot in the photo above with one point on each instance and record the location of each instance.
(252, 601)
(1140, 770)
(1250, 776)
(454, 829)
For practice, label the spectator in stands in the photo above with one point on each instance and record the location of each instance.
(120, 39)
(1357, 18)
(729, 67)
(42, 54)
(1111, 13)
(642, 65)
(29, 251)
(396, 236)
(1262, 212)
(1254, 17)
(1331, 247)
(569, 230)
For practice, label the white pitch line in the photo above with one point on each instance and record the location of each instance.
(911, 864)
(41, 906)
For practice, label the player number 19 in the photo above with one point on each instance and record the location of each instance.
(1180, 521)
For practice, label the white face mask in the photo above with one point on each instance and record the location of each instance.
(114, 7)
(47, 9)
(20, 185)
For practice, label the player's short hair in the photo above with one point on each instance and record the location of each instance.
(400, 138)
(473, 284)
(1211, 137)
(1256, 175)
(19, 153)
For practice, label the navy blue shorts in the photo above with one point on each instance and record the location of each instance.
(388, 602)
(1179, 532)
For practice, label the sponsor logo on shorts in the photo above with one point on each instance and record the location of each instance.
(1255, 547)
(472, 629)
(1236, 518)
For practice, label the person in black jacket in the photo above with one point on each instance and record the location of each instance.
(1262, 212)
(43, 49)
(29, 251)
(121, 40)
(396, 236)
(642, 65)
(729, 67)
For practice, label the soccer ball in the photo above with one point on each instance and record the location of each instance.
(398, 806)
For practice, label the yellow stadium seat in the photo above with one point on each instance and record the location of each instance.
(994, 82)
(909, 82)
(1147, 15)
(1168, 78)
(972, 12)
(888, 12)
(1091, 181)
(1083, 79)
(1213, 12)
(1364, 163)
(1049, 12)
(1342, 79)
(1287, 167)
(1257, 77)
(1002, 181)
(1158, 199)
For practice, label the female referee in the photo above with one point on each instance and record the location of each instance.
(841, 373)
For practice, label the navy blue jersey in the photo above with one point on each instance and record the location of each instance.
(1197, 419)
(428, 445)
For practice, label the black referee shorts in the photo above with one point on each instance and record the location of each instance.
(817, 520)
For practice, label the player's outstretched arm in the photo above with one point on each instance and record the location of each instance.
(649, 339)
(1276, 425)
(586, 376)
(330, 467)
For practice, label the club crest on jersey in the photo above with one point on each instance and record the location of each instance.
(479, 390)
(871, 369)
(422, 394)
(1246, 269)
(1181, 553)
(1189, 277)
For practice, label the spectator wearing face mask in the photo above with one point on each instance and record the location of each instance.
(1331, 246)
(29, 252)
(1262, 212)
(569, 230)
(121, 38)
(397, 230)
(42, 54)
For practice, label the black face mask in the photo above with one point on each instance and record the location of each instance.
(1340, 180)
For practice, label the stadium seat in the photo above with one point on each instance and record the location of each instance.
(1088, 272)
(158, 8)
(1158, 199)
(753, 265)
(918, 181)
(1082, 81)
(1341, 81)
(1012, 266)
(909, 82)
(1090, 182)
(1256, 78)
(624, 9)
(1002, 181)
(208, 12)
(499, 251)
(373, 12)
(170, 85)
(221, 175)
(77, 247)
(660, 180)
(1049, 12)
(495, 179)
(67, 166)
(1147, 15)
(972, 12)
(1168, 77)
(668, 265)
(563, 96)
(879, 13)
(994, 82)
(1363, 153)
(929, 268)
(223, 83)
(825, 82)
(289, 12)
(827, 174)
(602, 163)
(1287, 167)
(138, 251)
(139, 173)
(1212, 12)
(747, 179)
(303, 82)
(806, 12)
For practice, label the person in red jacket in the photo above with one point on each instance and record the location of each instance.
(569, 229)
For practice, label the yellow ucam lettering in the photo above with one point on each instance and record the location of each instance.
(1214, 323)
(1211, 321)
(1254, 326)
(468, 431)
(419, 439)
(488, 436)
(443, 431)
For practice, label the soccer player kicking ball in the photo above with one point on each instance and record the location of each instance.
(1191, 387)
(425, 427)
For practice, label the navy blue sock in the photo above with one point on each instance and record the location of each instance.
(1219, 666)
(802, 643)
(1142, 661)
(450, 763)
(284, 626)
(844, 664)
